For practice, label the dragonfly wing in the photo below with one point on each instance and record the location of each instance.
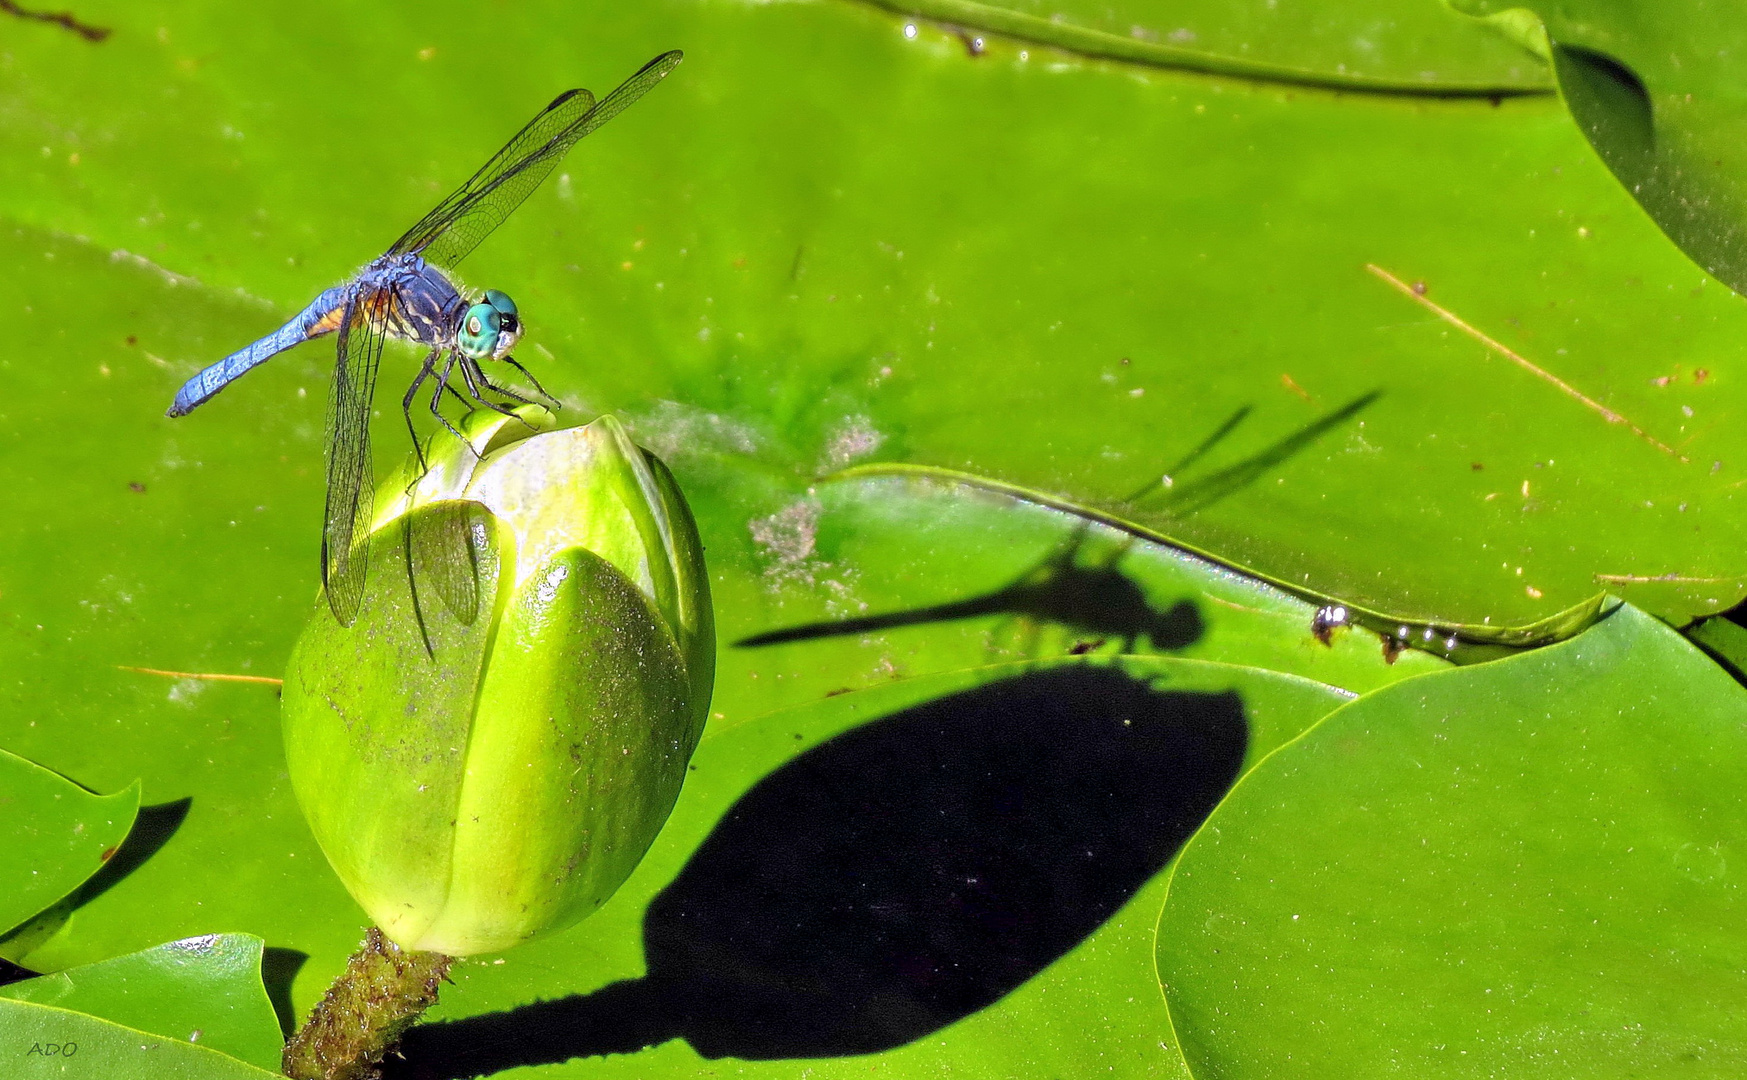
(447, 234)
(351, 488)
(438, 541)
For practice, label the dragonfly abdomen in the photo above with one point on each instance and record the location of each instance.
(312, 321)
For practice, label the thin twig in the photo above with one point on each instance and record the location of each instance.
(64, 19)
(206, 675)
(1417, 295)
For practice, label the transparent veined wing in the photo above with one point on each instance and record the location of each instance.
(460, 222)
(351, 487)
(438, 541)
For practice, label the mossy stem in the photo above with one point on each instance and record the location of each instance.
(382, 992)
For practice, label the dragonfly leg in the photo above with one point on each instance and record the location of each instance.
(526, 374)
(474, 377)
(485, 380)
(406, 405)
(437, 400)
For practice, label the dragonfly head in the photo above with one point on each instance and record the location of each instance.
(490, 329)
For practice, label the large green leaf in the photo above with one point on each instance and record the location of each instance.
(871, 577)
(1517, 868)
(954, 873)
(204, 990)
(1657, 86)
(53, 835)
(1379, 46)
(1208, 576)
(838, 238)
(754, 241)
(45, 1041)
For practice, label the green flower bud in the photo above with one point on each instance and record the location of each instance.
(488, 751)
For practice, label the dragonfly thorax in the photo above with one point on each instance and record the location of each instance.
(490, 328)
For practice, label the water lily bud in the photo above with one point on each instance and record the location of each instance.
(488, 751)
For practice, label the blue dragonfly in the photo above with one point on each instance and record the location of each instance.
(406, 293)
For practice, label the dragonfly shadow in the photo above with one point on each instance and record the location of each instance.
(1075, 586)
(896, 878)
(1187, 497)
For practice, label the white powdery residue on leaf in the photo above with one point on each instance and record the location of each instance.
(184, 691)
(854, 438)
(788, 545)
(673, 430)
(787, 539)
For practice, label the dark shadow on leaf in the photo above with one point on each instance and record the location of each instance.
(1189, 496)
(152, 829)
(895, 879)
(1205, 447)
(1612, 105)
(1090, 596)
(278, 968)
(11, 973)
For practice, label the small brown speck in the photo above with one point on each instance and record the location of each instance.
(136, 487)
(839, 690)
(131, 340)
(1419, 288)
(1391, 650)
(1476, 466)
(1700, 376)
(1081, 648)
(108, 853)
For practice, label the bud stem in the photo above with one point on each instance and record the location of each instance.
(382, 992)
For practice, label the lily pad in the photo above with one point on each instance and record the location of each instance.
(1657, 88)
(754, 244)
(204, 990)
(45, 1041)
(875, 576)
(53, 835)
(1520, 867)
(821, 255)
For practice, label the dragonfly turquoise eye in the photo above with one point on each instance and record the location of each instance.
(407, 293)
(480, 332)
(509, 322)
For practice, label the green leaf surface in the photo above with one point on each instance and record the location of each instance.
(1657, 87)
(1469, 643)
(1511, 869)
(53, 835)
(752, 242)
(1725, 641)
(204, 990)
(954, 873)
(818, 243)
(870, 577)
(46, 1041)
(1416, 47)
